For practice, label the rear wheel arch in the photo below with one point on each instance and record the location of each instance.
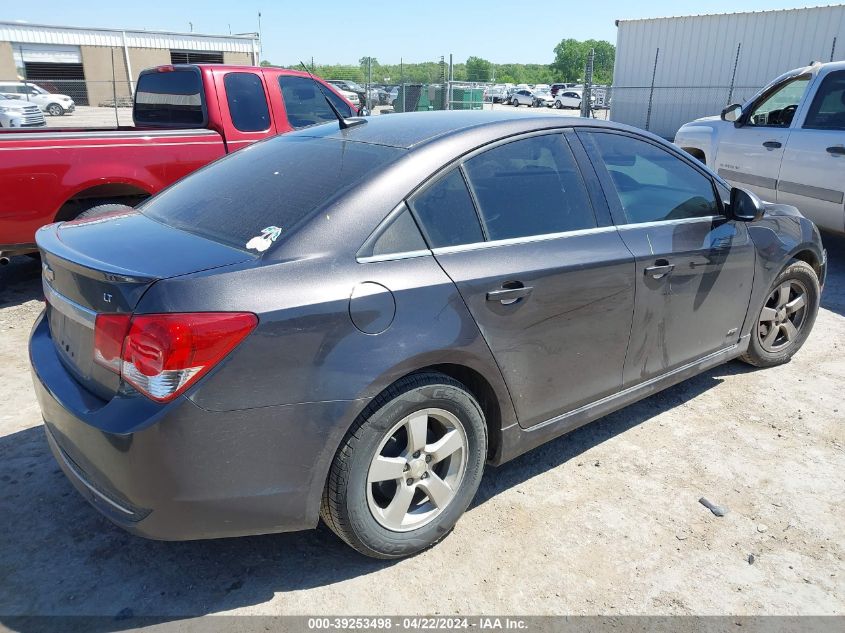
(109, 193)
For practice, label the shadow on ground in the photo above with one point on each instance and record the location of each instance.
(20, 281)
(833, 297)
(58, 556)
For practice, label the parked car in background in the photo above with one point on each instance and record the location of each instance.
(350, 86)
(185, 117)
(495, 94)
(16, 112)
(787, 143)
(329, 324)
(542, 98)
(522, 97)
(570, 99)
(53, 104)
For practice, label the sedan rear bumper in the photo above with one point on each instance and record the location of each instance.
(179, 472)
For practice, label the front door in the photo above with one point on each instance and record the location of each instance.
(694, 267)
(749, 155)
(812, 175)
(550, 286)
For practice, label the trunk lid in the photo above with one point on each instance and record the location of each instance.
(105, 265)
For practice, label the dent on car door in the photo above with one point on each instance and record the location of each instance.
(695, 267)
(549, 284)
(749, 154)
(813, 168)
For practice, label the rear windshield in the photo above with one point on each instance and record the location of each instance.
(273, 185)
(169, 99)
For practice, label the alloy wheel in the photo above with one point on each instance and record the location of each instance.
(417, 469)
(54, 110)
(783, 316)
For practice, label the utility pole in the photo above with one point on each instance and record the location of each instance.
(260, 41)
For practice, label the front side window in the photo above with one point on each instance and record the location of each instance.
(778, 108)
(247, 102)
(446, 214)
(827, 112)
(305, 102)
(653, 184)
(530, 187)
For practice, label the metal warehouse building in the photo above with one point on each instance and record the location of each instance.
(95, 66)
(671, 70)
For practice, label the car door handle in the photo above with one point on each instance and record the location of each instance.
(660, 269)
(772, 144)
(836, 150)
(510, 295)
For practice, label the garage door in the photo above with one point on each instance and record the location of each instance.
(55, 68)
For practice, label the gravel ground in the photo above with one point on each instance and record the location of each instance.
(603, 521)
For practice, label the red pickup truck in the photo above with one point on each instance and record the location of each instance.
(185, 117)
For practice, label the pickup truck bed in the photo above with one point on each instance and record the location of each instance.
(186, 117)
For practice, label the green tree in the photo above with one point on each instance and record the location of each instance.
(571, 59)
(478, 69)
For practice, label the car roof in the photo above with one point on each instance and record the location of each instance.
(412, 129)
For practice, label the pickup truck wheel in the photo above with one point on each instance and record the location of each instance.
(786, 317)
(101, 209)
(54, 109)
(408, 468)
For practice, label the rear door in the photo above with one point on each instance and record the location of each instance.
(694, 267)
(750, 155)
(549, 282)
(812, 175)
(243, 103)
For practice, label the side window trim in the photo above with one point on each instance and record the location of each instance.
(610, 195)
(363, 258)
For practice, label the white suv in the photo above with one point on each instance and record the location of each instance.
(53, 104)
(17, 113)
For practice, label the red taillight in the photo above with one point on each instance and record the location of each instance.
(109, 332)
(161, 355)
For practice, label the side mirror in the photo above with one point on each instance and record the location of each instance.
(732, 113)
(745, 206)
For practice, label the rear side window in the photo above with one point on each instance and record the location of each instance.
(275, 184)
(305, 102)
(247, 102)
(400, 235)
(530, 187)
(827, 112)
(446, 214)
(169, 99)
(653, 184)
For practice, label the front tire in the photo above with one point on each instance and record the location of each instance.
(408, 468)
(785, 319)
(54, 109)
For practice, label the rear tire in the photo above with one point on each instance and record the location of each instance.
(429, 433)
(785, 319)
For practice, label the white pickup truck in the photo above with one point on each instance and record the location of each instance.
(787, 144)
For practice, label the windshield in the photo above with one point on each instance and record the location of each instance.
(266, 190)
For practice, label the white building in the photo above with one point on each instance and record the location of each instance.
(705, 61)
(94, 65)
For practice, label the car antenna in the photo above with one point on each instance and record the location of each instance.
(342, 122)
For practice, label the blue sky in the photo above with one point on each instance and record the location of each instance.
(417, 30)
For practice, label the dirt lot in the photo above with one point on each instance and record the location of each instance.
(603, 521)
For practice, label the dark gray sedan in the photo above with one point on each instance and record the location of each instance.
(351, 323)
